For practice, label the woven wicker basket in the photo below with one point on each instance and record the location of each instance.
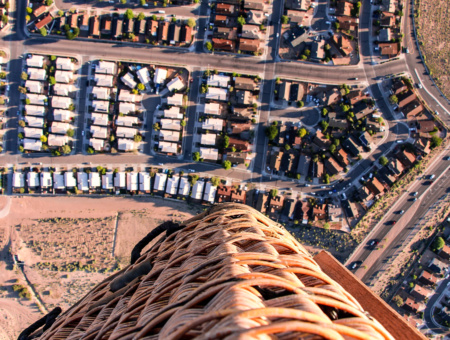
(229, 273)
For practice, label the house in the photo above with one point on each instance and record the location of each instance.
(60, 128)
(126, 121)
(175, 84)
(186, 34)
(32, 132)
(73, 21)
(97, 144)
(47, 19)
(37, 99)
(143, 76)
(163, 31)
(306, 212)
(184, 186)
(160, 182)
(102, 93)
(213, 124)
(95, 27)
(296, 92)
(94, 180)
(32, 179)
(344, 8)
(126, 96)
(352, 147)
(275, 161)
(210, 193)
(212, 109)
(45, 180)
(363, 193)
(174, 33)
(118, 28)
(284, 90)
(106, 67)
(332, 166)
(34, 110)
(215, 93)
(36, 74)
(63, 76)
(226, 33)
(412, 110)
(342, 157)
(239, 145)
(384, 34)
(128, 80)
(332, 96)
(303, 165)
(354, 97)
(209, 154)
(420, 293)
(398, 86)
(107, 181)
(405, 97)
(65, 64)
(223, 44)
(169, 136)
(38, 10)
(250, 32)
(301, 5)
(275, 206)
(173, 112)
(99, 132)
(144, 182)
(84, 23)
(296, 17)
(348, 23)
(217, 80)
(255, 17)
(63, 90)
(254, 4)
(366, 139)
(54, 140)
(243, 97)
(18, 180)
(361, 109)
(170, 124)
(317, 50)
(242, 83)
(349, 209)
(343, 44)
(126, 132)
(375, 186)
(262, 203)
(197, 190)
(389, 5)
(69, 180)
(208, 139)
(445, 252)
(127, 108)
(32, 144)
(406, 158)
(169, 148)
(34, 86)
(221, 20)
(334, 213)
(423, 145)
(249, 45)
(152, 28)
(319, 212)
(425, 126)
(82, 180)
(172, 185)
(427, 278)
(223, 193)
(238, 196)
(389, 49)
(132, 181)
(100, 106)
(225, 9)
(412, 306)
(103, 80)
(340, 124)
(35, 122)
(387, 19)
(321, 141)
(288, 210)
(176, 99)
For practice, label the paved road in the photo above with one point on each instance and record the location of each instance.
(430, 306)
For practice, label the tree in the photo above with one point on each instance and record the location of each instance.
(273, 193)
(20, 135)
(27, 101)
(324, 124)
(393, 99)
(70, 132)
(302, 132)
(383, 161)
(191, 22)
(287, 147)
(22, 89)
(241, 21)
(215, 181)
(129, 14)
(298, 176)
(209, 46)
(326, 178)
(226, 142)
(326, 226)
(66, 149)
(332, 148)
(90, 150)
(398, 301)
(43, 31)
(141, 16)
(174, 19)
(196, 156)
(284, 19)
(21, 123)
(435, 142)
(336, 25)
(324, 111)
(51, 80)
(48, 2)
(141, 87)
(226, 165)
(2, 75)
(29, 10)
(24, 76)
(27, 18)
(183, 123)
(437, 244)
(43, 139)
(21, 149)
(123, 2)
(138, 138)
(300, 103)
(271, 132)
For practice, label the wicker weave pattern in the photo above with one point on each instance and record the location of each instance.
(230, 273)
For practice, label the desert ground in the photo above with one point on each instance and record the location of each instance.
(68, 245)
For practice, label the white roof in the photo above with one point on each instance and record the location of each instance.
(210, 192)
(32, 144)
(61, 128)
(97, 144)
(176, 99)
(128, 80)
(208, 139)
(126, 120)
(100, 106)
(55, 140)
(212, 109)
(106, 67)
(125, 108)
(99, 132)
(144, 181)
(34, 110)
(61, 102)
(125, 144)
(69, 179)
(64, 64)
(160, 180)
(119, 180)
(18, 180)
(58, 180)
(172, 185)
(197, 190)
(215, 93)
(209, 153)
(99, 118)
(32, 132)
(63, 76)
(214, 124)
(37, 73)
(62, 115)
(33, 86)
(104, 80)
(170, 124)
(46, 179)
(160, 75)
(132, 181)
(35, 61)
(126, 96)
(36, 99)
(184, 187)
(175, 84)
(168, 147)
(143, 75)
(63, 89)
(126, 132)
(107, 181)
(101, 92)
(33, 179)
(94, 180)
(173, 112)
(82, 179)
(171, 136)
(34, 121)
(218, 80)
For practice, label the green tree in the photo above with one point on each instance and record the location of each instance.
(435, 141)
(138, 138)
(142, 2)
(90, 150)
(183, 123)
(141, 16)
(226, 142)
(302, 132)
(437, 244)
(383, 161)
(43, 139)
(271, 132)
(2, 75)
(29, 10)
(324, 124)
(21, 149)
(191, 22)
(174, 19)
(141, 87)
(129, 14)
(393, 99)
(51, 80)
(196, 156)
(66, 149)
(326, 178)
(287, 147)
(70, 132)
(20, 135)
(123, 2)
(284, 19)
(21, 123)
(209, 46)
(300, 103)
(27, 101)
(215, 181)
(43, 31)
(27, 18)
(398, 301)
(345, 107)
(324, 111)
(273, 193)
(298, 176)
(226, 165)
(332, 148)
(48, 2)
(241, 21)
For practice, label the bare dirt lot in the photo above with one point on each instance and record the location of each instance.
(433, 30)
(68, 245)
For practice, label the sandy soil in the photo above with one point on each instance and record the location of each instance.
(69, 244)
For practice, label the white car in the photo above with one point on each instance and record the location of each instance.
(328, 23)
(278, 34)
(82, 133)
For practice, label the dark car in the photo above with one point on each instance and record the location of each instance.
(373, 243)
(393, 222)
